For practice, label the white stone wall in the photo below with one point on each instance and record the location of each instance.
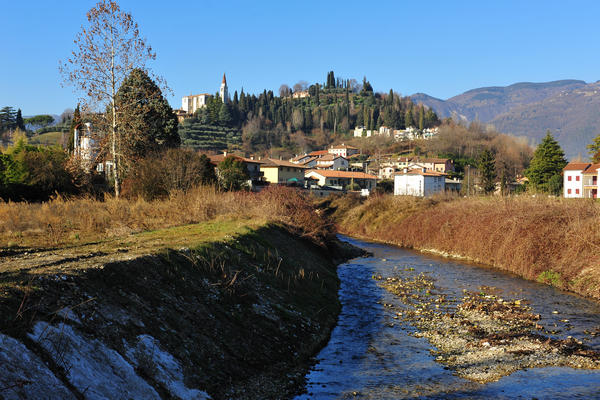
(418, 185)
(409, 185)
(573, 188)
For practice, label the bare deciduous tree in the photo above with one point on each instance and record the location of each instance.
(106, 50)
(300, 86)
(284, 90)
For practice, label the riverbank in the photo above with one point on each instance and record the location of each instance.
(551, 240)
(232, 307)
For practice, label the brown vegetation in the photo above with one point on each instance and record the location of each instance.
(62, 221)
(552, 240)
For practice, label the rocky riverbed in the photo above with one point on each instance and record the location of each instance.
(482, 337)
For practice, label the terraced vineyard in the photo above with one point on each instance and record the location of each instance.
(208, 137)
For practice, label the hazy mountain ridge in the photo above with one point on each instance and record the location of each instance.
(569, 108)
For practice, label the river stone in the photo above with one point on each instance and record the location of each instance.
(97, 371)
(22, 367)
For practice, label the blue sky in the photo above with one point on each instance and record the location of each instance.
(441, 48)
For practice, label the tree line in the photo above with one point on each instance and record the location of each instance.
(331, 111)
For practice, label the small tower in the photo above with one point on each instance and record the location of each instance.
(223, 91)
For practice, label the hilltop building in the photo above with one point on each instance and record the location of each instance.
(189, 104)
(223, 90)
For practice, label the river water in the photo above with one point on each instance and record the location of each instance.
(372, 356)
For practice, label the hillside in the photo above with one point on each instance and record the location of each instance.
(569, 108)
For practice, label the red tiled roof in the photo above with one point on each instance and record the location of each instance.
(419, 171)
(576, 166)
(592, 169)
(318, 153)
(341, 174)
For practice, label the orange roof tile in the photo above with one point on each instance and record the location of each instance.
(592, 169)
(342, 174)
(576, 166)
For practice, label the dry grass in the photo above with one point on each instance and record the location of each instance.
(61, 222)
(535, 237)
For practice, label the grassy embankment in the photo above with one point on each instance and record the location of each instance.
(551, 240)
(240, 288)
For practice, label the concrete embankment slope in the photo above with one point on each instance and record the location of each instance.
(551, 240)
(237, 317)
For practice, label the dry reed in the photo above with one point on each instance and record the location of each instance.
(60, 220)
(553, 240)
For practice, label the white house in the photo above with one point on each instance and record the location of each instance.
(343, 150)
(418, 182)
(191, 103)
(581, 180)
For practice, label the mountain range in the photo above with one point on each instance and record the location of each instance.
(570, 109)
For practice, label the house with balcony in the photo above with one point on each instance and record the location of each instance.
(580, 180)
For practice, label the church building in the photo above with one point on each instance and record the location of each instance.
(189, 104)
(223, 91)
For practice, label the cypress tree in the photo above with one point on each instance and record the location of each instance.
(487, 169)
(19, 121)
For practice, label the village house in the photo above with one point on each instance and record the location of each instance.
(361, 131)
(318, 153)
(282, 172)
(331, 161)
(301, 94)
(341, 179)
(252, 166)
(444, 165)
(86, 150)
(580, 180)
(343, 150)
(301, 159)
(421, 182)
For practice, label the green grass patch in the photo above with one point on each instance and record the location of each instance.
(550, 278)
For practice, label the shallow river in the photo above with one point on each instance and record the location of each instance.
(371, 355)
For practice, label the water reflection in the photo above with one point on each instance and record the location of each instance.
(370, 355)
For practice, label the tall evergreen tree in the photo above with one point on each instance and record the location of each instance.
(19, 123)
(147, 118)
(544, 172)
(421, 117)
(75, 122)
(487, 168)
(408, 120)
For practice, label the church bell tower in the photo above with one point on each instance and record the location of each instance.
(223, 91)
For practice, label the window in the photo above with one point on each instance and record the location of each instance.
(576, 191)
(569, 190)
(577, 178)
(569, 178)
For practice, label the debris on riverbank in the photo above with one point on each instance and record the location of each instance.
(484, 337)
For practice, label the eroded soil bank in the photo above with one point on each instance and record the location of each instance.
(234, 318)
